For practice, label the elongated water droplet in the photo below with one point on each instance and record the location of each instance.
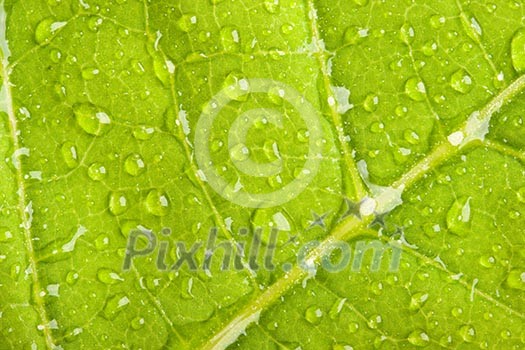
(91, 119)
(517, 50)
(230, 39)
(407, 33)
(157, 203)
(236, 86)
(187, 22)
(143, 133)
(108, 276)
(468, 333)
(417, 301)
(374, 321)
(70, 154)
(371, 102)
(459, 217)
(516, 279)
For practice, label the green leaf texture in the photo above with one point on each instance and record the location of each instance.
(417, 126)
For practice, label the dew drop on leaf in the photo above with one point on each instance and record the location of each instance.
(517, 50)
(415, 89)
(46, 29)
(230, 39)
(108, 276)
(353, 327)
(407, 33)
(118, 203)
(97, 172)
(134, 165)
(272, 6)
(459, 216)
(157, 203)
(91, 119)
(72, 277)
(418, 338)
(114, 305)
(437, 21)
(313, 315)
(374, 321)
(70, 154)
(467, 333)
(187, 22)
(371, 102)
(417, 301)
(461, 81)
(516, 279)
(137, 323)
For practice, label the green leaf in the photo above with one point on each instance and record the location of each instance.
(215, 174)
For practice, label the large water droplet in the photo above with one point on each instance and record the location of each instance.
(371, 102)
(46, 29)
(459, 216)
(353, 35)
(461, 81)
(272, 6)
(118, 203)
(374, 321)
(415, 89)
(468, 333)
(143, 132)
(517, 50)
(91, 119)
(418, 338)
(137, 323)
(157, 203)
(187, 22)
(407, 33)
(236, 86)
(134, 165)
(72, 277)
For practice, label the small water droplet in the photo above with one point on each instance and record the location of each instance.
(417, 301)
(187, 22)
(72, 277)
(353, 327)
(361, 2)
(114, 305)
(429, 48)
(407, 33)
(143, 133)
(70, 154)
(134, 165)
(313, 315)
(157, 203)
(374, 321)
(456, 311)
(230, 39)
(89, 73)
(55, 55)
(354, 35)
(236, 86)
(108, 276)
(94, 23)
(517, 50)
(239, 152)
(118, 203)
(272, 6)
(516, 279)
(370, 103)
(461, 81)
(137, 323)
(467, 333)
(487, 261)
(459, 216)
(97, 172)
(102, 242)
(437, 21)
(287, 28)
(415, 89)
(418, 338)
(377, 127)
(91, 119)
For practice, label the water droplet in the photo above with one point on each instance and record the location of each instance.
(94, 23)
(102, 242)
(468, 333)
(437, 21)
(230, 39)
(371, 102)
(411, 136)
(353, 35)
(516, 279)
(118, 203)
(236, 86)
(137, 323)
(313, 315)
(429, 48)
(91, 119)
(487, 261)
(461, 81)
(415, 89)
(55, 55)
(377, 127)
(143, 133)
(114, 305)
(287, 28)
(517, 50)
(46, 29)
(272, 6)
(97, 172)
(353, 327)
(459, 217)
(71, 277)
(521, 194)
(336, 308)
(456, 311)
(239, 152)
(89, 73)
(418, 338)
(70, 154)
(157, 203)
(471, 26)
(374, 321)
(187, 23)
(108, 276)
(407, 33)
(417, 301)
(134, 165)
(361, 2)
